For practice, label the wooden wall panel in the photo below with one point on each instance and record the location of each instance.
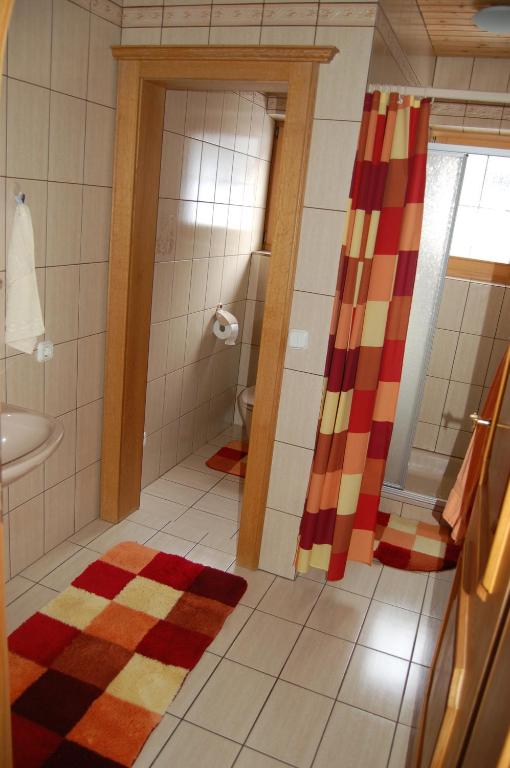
(453, 33)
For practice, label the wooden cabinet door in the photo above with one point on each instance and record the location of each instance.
(480, 599)
(489, 740)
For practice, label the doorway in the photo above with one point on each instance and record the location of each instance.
(145, 74)
(460, 325)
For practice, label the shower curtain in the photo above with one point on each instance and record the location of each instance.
(367, 336)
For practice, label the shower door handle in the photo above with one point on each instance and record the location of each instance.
(475, 418)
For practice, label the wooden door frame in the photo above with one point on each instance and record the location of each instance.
(6, 8)
(145, 72)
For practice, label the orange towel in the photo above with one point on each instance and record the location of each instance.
(460, 501)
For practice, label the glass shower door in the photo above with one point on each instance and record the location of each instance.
(444, 175)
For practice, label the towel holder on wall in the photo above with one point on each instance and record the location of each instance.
(20, 198)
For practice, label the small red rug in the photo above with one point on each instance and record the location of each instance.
(232, 459)
(93, 672)
(414, 546)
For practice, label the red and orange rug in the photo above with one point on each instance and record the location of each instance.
(414, 546)
(93, 672)
(232, 459)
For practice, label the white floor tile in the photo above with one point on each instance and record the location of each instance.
(193, 684)
(339, 613)
(361, 739)
(214, 558)
(195, 525)
(231, 700)
(426, 640)
(374, 682)
(207, 450)
(219, 505)
(124, 531)
(181, 494)
(62, 576)
(156, 741)
(248, 758)
(196, 748)
(264, 643)
(318, 662)
(155, 512)
(292, 600)
(90, 531)
(230, 488)
(230, 630)
(170, 544)
(402, 749)
(16, 587)
(291, 724)
(197, 462)
(401, 588)
(191, 477)
(55, 557)
(360, 578)
(390, 629)
(436, 597)
(258, 584)
(414, 695)
(30, 602)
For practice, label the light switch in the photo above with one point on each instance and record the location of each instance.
(298, 339)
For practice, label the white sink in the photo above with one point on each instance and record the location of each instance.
(27, 439)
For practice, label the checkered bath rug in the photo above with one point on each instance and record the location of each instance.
(414, 546)
(231, 458)
(93, 672)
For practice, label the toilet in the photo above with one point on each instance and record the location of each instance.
(245, 402)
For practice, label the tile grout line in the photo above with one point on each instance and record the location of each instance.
(408, 673)
(344, 674)
(278, 678)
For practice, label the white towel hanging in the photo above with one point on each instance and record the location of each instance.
(23, 317)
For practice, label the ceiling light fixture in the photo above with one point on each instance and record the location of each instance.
(495, 19)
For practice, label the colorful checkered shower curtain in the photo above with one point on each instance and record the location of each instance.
(368, 333)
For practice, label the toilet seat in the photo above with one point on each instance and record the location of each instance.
(247, 397)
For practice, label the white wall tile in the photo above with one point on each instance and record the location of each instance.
(29, 48)
(346, 74)
(70, 48)
(310, 312)
(27, 130)
(301, 394)
(330, 164)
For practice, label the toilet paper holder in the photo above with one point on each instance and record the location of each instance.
(226, 326)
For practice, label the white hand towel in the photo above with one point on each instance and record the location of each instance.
(23, 317)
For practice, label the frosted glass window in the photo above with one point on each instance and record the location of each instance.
(482, 220)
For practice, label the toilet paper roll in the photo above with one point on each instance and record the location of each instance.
(226, 332)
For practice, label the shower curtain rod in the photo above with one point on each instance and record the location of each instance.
(485, 97)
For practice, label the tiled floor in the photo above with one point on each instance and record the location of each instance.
(302, 672)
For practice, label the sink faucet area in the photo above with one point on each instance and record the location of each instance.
(27, 439)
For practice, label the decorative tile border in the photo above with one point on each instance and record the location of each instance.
(485, 111)
(347, 15)
(108, 10)
(290, 14)
(142, 17)
(447, 108)
(187, 16)
(249, 14)
(386, 31)
(179, 13)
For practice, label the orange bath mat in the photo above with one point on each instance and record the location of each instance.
(93, 672)
(232, 459)
(414, 546)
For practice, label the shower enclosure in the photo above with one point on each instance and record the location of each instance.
(445, 169)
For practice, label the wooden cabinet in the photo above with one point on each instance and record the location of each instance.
(466, 713)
